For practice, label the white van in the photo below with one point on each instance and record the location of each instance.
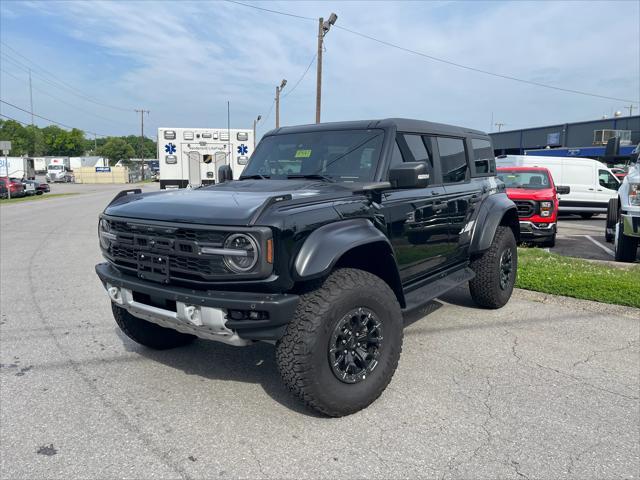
(592, 184)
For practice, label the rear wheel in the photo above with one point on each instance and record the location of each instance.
(147, 333)
(342, 347)
(625, 247)
(495, 271)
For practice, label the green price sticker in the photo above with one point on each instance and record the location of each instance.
(303, 153)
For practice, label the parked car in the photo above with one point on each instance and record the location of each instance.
(33, 187)
(43, 187)
(536, 197)
(623, 214)
(14, 187)
(310, 250)
(29, 186)
(591, 183)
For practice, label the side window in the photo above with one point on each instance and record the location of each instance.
(396, 156)
(606, 180)
(418, 149)
(453, 159)
(483, 158)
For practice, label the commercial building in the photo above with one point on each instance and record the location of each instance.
(579, 139)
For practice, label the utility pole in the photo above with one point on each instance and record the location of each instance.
(499, 125)
(31, 96)
(142, 112)
(95, 144)
(254, 130)
(630, 108)
(323, 29)
(278, 90)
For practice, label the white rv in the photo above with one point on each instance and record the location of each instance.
(591, 183)
(192, 156)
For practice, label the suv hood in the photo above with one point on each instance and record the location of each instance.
(233, 203)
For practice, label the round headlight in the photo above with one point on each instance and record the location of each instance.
(247, 256)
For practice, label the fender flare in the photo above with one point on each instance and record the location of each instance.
(491, 214)
(325, 245)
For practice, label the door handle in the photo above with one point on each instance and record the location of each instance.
(599, 189)
(590, 189)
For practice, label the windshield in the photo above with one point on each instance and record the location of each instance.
(533, 179)
(55, 167)
(341, 155)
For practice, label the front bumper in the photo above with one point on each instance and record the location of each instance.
(631, 225)
(535, 231)
(201, 313)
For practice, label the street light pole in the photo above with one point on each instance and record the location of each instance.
(278, 90)
(323, 28)
(254, 130)
(142, 112)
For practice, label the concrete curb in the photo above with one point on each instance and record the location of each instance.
(574, 303)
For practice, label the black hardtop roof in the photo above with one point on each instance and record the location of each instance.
(401, 124)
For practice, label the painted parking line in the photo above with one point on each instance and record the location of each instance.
(597, 243)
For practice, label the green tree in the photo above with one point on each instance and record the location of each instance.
(150, 148)
(18, 136)
(116, 149)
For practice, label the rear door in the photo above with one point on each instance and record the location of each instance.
(462, 192)
(417, 218)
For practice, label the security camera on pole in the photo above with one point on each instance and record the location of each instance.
(323, 29)
(5, 146)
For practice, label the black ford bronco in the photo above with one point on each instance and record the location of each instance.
(330, 233)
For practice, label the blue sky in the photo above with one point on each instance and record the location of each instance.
(184, 60)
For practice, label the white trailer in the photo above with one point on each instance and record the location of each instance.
(40, 164)
(192, 156)
(17, 167)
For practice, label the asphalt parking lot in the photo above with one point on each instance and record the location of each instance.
(544, 388)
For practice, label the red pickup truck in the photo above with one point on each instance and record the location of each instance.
(534, 193)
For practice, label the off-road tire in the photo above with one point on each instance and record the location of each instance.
(625, 247)
(485, 286)
(147, 333)
(612, 219)
(302, 354)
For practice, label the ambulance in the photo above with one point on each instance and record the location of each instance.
(191, 157)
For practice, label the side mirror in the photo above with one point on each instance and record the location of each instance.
(409, 175)
(563, 190)
(225, 174)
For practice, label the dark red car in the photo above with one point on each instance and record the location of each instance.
(15, 187)
(534, 193)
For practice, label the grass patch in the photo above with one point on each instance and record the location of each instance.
(35, 198)
(541, 271)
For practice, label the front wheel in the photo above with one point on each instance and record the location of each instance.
(495, 271)
(342, 347)
(625, 247)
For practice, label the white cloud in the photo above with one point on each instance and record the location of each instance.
(184, 60)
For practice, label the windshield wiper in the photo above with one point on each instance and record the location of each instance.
(255, 176)
(313, 175)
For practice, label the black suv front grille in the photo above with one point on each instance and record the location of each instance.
(526, 208)
(177, 246)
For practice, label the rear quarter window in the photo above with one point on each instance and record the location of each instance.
(483, 159)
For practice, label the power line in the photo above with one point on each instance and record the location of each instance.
(15, 120)
(272, 11)
(442, 60)
(61, 82)
(63, 101)
(313, 59)
(49, 120)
